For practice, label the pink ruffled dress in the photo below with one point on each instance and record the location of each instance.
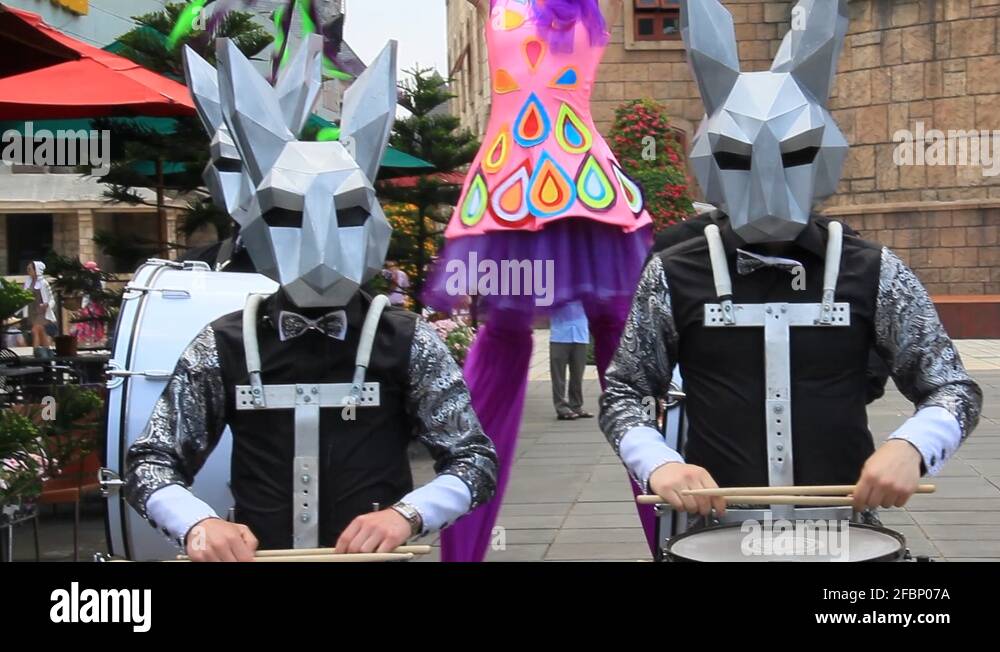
(545, 184)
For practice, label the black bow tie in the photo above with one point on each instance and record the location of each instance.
(333, 324)
(748, 262)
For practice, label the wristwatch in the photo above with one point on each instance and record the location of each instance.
(412, 516)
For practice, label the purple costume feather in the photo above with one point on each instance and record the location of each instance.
(557, 18)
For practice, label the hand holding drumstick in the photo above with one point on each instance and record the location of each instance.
(671, 480)
(889, 478)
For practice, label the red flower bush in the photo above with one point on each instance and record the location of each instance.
(650, 152)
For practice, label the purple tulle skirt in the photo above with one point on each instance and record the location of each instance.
(527, 274)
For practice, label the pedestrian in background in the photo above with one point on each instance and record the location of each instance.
(568, 343)
(40, 313)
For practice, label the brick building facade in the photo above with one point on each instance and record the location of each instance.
(935, 62)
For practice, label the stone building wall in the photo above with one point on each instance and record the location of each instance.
(907, 65)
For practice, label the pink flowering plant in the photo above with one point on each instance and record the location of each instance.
(24, 460)
(651, 152)
(457, 336)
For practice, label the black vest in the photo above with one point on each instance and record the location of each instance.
(723, 368)
(364, 461)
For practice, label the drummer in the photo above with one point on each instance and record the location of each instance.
(764, 258)
(301, 346)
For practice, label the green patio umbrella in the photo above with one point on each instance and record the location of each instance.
(393, 158)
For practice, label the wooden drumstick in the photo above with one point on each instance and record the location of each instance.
(299, 552)
(344, 558)
(817, 501)
(821, 490)
(314, 552)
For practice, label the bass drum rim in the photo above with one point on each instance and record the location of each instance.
(897, 555)
(122, 413)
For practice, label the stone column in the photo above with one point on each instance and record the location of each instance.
(65, 234)
(85, 233)
(170, 230)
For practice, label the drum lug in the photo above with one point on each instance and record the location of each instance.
(152, 374)
(110, 482)
(116, 375)
(137, 291)
(188, 265)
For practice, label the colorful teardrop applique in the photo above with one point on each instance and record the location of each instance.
(594, 187)
(504, 82)
(476, 200)
(533, 125)
(534, 51)
(505, 20)
(496, 155)
(631, 190)
(551, 191)
(567, 79)
(510, 199)
(572, 134)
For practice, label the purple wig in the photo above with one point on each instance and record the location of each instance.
(557, 19)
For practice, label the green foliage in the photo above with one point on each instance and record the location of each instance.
(649, 150)
(148, 44)
(13, 297)
(435, 136)
(23, 459)
(71, 279)
(39, 441)
(202, 212)
(146, 157)
(73, 433)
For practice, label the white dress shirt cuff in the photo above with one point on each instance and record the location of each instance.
(643, 451)
(175, 510)
(935, 432)
(440, 502)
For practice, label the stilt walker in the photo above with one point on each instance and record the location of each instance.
(547, 189)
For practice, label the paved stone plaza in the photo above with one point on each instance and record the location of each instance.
(569, 498)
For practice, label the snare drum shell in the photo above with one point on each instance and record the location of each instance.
(894, 545)
(154, 328)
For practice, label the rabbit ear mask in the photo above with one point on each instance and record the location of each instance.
(308, 212)
(369, 112)
(768, 149)
(251, 109)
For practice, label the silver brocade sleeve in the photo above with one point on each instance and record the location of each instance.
(441, 409)
(641, 370)
(186, 424)
(921, 357)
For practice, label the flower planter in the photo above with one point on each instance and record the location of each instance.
(65, 345)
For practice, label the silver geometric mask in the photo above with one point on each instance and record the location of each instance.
(307, 211)
(768, 149)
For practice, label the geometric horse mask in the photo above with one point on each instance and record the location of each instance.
(307, 211)
(768, 149)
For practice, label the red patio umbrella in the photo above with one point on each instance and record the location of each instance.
(48, 75)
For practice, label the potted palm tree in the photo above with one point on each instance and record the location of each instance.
(77, 284)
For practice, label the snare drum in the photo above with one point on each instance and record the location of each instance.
(853, 542)
(164, 306)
